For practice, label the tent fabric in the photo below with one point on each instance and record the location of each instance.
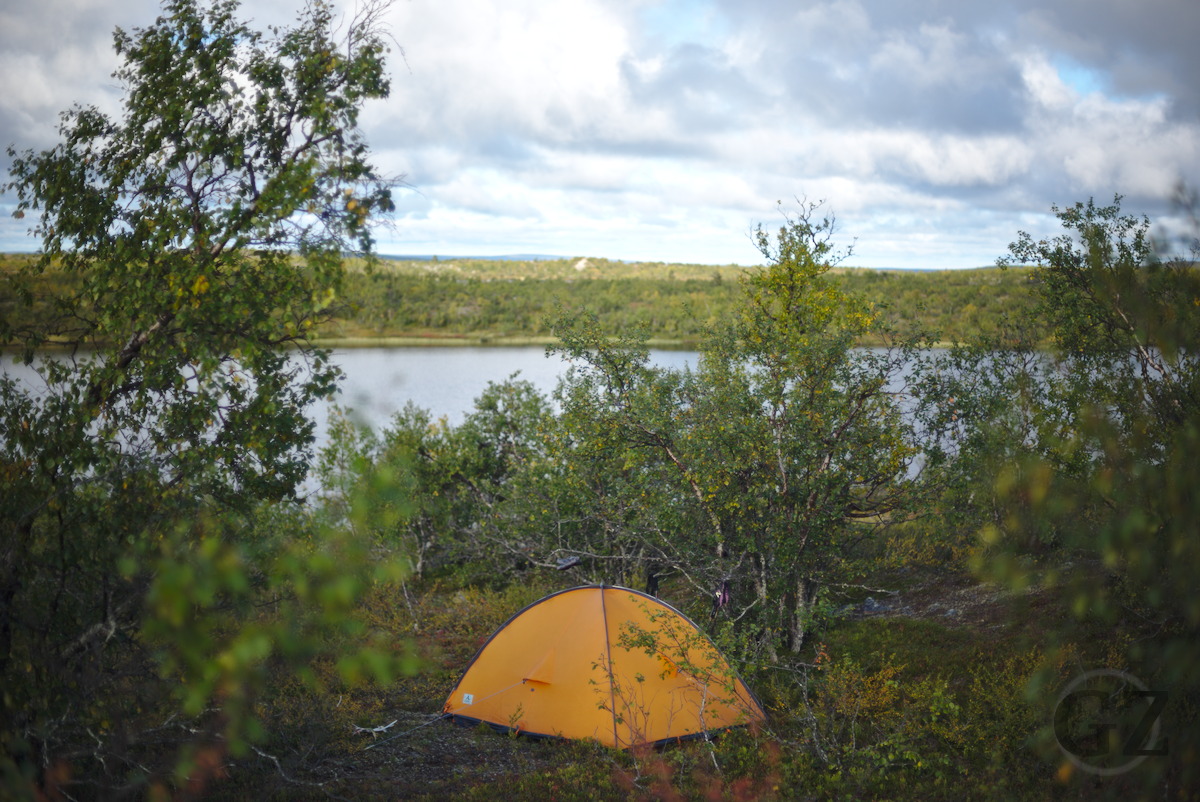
(607, 663)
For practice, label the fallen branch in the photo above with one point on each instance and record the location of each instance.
(374, 730)
(433, 720)
(282, 773)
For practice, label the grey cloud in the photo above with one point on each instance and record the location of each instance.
(849, 65)
(1145, 48)
(981, 96)
(702, 89)
(504, 148)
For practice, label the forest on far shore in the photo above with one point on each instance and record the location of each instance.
(509, 301)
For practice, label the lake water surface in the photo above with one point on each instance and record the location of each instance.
(445, 380)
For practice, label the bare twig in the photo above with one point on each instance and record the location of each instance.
(282, 773)
(375, 730)
(436, 718)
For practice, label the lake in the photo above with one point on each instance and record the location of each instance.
(445, 380)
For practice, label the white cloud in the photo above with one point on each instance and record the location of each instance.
(1100, 144)
(540, 69)
(666, 128)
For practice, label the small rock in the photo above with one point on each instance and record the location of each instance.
(872, 606)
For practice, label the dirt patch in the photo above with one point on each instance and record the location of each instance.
(441, 758)
(423, 756)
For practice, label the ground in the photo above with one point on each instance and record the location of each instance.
(928, 623)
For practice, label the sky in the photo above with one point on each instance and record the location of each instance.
(666, 130)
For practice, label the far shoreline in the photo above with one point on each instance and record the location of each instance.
(475, 341)
(398, 341)
(436, 341)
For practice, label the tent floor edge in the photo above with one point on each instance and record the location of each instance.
(466, 722)
(460, 720)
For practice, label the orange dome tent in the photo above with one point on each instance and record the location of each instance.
(607, 663)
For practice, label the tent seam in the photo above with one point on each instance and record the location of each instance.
(612, 695)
